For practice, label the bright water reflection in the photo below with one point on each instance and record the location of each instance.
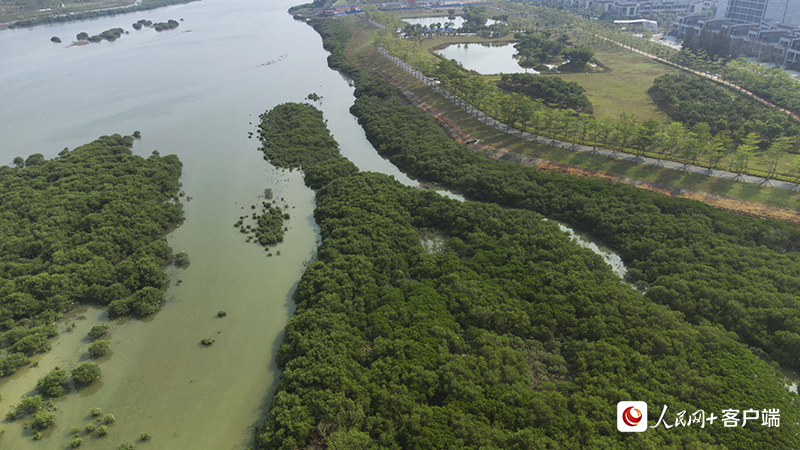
(587, 241)
(428, 21)
(484, 59)
(792, 378)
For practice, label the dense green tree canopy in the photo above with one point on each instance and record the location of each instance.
(314, 149)
(510, 337)
(84, 227)
(52, 384)
(713, 266)
(692, 100)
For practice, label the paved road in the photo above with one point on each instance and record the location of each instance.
(492, 122)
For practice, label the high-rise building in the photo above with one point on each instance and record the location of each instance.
(784, 12)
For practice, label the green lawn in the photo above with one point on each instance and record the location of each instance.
(624, 88)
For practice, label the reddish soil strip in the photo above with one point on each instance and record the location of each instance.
(743, 207)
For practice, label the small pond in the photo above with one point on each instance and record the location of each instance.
(428, 21)
(485, 59)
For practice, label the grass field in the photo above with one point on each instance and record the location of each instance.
(624, 88)
(370, 60)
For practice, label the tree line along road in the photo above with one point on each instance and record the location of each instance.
(492, 122)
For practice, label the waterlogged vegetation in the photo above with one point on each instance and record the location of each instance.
(86, 373)
(314, 150)
(110, 35)
(511, 336)
(181, 259)
(168, 25)
(99, 348)
(269, 225)
(52, 384)
(482, 345)
(115, 33)
(141, 23)
(86, 227)
(98, 331)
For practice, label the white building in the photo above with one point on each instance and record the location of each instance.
(632, 8)
(785, 12)
(650, 25)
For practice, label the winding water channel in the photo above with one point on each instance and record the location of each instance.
(195, 91)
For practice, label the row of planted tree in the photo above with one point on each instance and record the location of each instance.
(770, 83)
(674, 141)
(743, 136)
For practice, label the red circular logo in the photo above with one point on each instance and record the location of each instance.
(629, 419)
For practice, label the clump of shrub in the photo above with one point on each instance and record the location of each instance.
(109, 419)
(221, 314)
(102, 430)
(42, 420)
(28, 405)
(76, 442)
(90, 428)
(145, 436)
(99, 348)
(95, 412)
(207, 341)
(168, 25)
(12, 363)
(86, 373)
(98, 331)
(52, 384)
(142, 23)
(181, 258)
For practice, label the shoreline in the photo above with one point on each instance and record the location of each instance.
(53, 19)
